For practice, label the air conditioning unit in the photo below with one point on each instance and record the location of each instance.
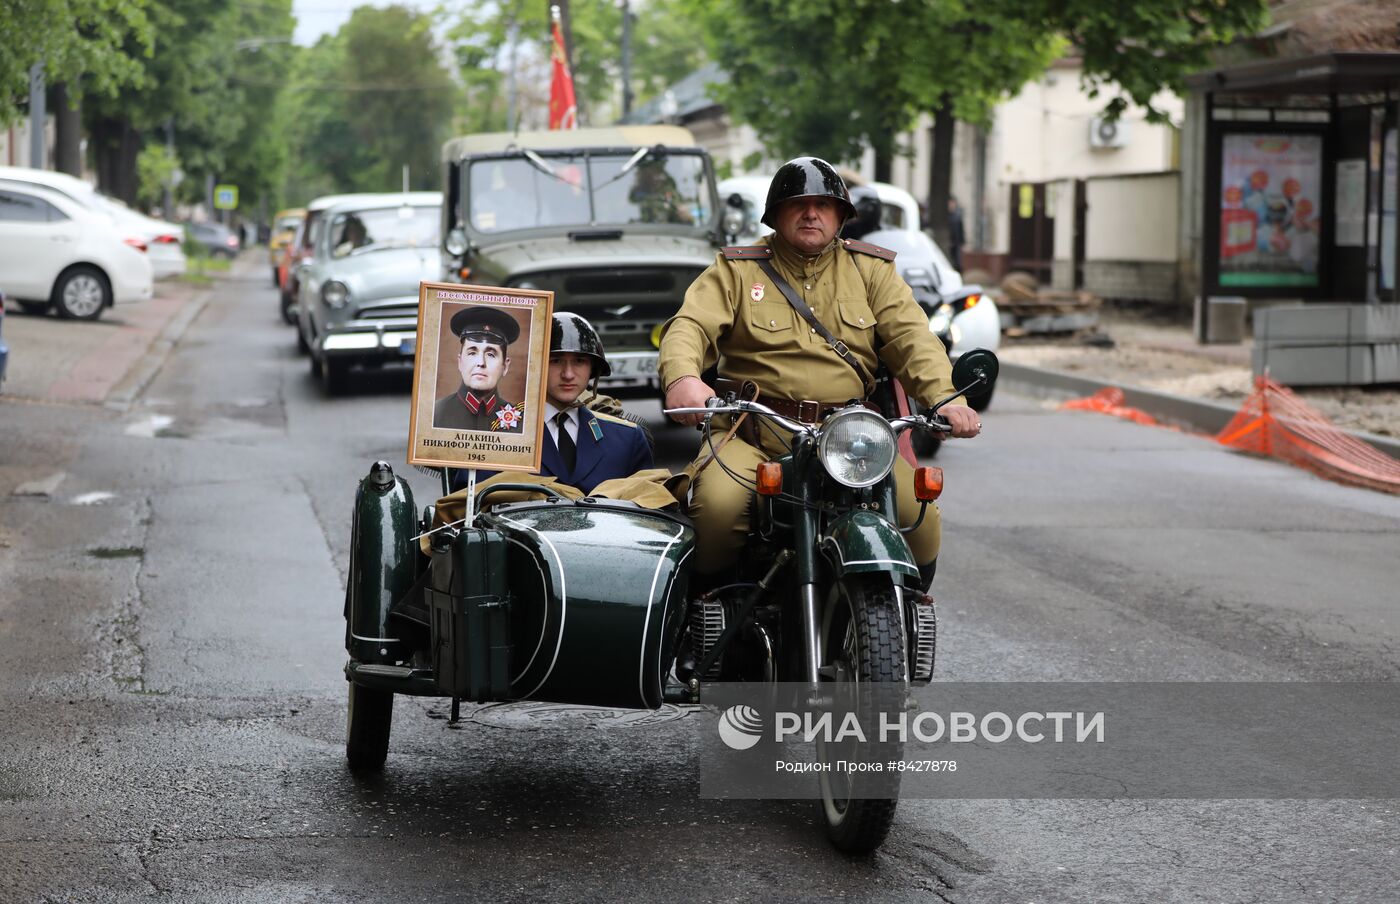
(1105, 133)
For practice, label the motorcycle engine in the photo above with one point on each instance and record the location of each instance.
(707, 623)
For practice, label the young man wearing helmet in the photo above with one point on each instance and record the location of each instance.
(735, 317)
(582, 447)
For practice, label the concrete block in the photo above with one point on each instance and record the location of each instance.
(1329, 365)
(1322, 324)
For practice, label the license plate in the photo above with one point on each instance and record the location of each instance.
(633, 364)
(407, 346)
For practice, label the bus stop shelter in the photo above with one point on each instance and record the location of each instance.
(1300, 181)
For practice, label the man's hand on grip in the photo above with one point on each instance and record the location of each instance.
(688, 392)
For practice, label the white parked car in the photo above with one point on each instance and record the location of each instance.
(163, 240)
(57, 252)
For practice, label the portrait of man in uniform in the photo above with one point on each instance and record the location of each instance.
(480, 375)
(482, 360)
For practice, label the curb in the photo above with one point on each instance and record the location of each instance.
(1194, 414)
(144, 371)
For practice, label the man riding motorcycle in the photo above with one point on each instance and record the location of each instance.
(738, 316)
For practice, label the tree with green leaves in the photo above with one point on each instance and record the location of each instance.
(104, 43)
(832, 78)
(398, 97)
(212, 74)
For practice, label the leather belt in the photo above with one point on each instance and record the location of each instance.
(804, 411)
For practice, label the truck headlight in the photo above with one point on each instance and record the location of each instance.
(456, 243)
(335, 293)
(857, 447)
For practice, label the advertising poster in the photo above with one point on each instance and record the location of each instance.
(479, 377)
(1270, 210)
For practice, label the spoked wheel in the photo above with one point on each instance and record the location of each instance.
(862, 643)
(371, 715)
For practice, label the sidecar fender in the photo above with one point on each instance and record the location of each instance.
(861, 541)
(384, 563)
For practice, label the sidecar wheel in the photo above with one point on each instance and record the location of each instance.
(862, 642)
(371, 714)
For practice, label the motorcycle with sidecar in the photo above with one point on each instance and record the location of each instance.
(586, 601)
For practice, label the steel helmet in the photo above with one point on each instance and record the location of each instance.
(806, 177)
(571, 333)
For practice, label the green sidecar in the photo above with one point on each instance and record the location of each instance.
(556, 600)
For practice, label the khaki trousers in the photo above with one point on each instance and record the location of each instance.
(719, 507)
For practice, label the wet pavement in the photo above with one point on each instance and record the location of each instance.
(173, 707)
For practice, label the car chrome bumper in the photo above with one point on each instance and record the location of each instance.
(383, 339)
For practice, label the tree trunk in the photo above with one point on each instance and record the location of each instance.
(884, 164)
(940, 173)
(115, 146)
(68, 133)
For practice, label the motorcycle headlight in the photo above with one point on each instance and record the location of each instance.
(335, 293)
(857, 447)
(941, 319)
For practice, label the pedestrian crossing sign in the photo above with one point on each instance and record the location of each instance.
(226, 197)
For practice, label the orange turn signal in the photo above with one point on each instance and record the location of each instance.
(928, 483)
(465, 272)
(971, 301)
(770, 478)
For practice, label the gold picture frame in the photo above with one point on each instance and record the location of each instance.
(479, 377)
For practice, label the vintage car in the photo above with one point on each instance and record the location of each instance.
(284, 230)
(617, 222)
(359, 291)
(299, 252)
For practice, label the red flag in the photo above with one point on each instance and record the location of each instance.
(563, 112)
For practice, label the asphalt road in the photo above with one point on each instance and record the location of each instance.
(173, 706)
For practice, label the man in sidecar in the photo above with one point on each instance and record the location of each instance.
(745, 314)
(583, 447)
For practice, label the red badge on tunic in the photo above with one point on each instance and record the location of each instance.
(756, 291)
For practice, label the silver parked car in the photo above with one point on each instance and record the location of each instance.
(358, 294)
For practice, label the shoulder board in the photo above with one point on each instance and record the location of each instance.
(855, 247)
(746, 252)
(609, 419)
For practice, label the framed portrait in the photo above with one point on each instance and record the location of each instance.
(479, 377)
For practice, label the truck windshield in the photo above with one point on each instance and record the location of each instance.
(588, 190)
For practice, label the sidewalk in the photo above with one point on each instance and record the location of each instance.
(85, 362)
(1165, 358)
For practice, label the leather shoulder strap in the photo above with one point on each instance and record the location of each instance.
(856, 247)
(808, 315)
(746, 252)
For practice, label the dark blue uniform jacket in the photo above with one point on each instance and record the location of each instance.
(608, 447)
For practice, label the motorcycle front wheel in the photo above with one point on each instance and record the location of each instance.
(862, 643)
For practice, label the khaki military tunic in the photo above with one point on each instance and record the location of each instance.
(735, 318)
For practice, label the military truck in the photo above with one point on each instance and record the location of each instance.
(616, 222)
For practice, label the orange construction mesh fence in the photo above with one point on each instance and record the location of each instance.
(1275, 422)
(1109, 400)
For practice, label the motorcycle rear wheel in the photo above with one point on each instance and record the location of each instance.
(863, 641)
(367, 725)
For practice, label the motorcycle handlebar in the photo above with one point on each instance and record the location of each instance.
(715, 405)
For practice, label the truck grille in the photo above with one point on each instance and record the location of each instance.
(620, 282)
